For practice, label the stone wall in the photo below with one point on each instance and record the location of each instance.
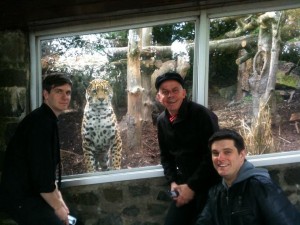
(14, 83)
(135, 202)
(145, 201)
(14, 88)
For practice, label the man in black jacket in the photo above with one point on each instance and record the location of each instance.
(28, 191)
(183, 132)
(247, 195)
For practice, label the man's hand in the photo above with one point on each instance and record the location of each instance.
(62, 213)
(55, 200)
(185, 195)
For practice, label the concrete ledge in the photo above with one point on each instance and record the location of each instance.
(273, 159)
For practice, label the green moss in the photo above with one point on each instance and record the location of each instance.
(288, 80)
(247, 99)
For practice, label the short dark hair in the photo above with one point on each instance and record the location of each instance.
(55, 79)
(228, 134)
(168, 76)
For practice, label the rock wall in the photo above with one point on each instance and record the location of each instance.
(145, 201)
(134, 202)
(14, 83)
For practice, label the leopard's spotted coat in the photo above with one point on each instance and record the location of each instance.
(101, 140)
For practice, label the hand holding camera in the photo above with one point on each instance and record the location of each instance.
(72, 220)
(173, 194)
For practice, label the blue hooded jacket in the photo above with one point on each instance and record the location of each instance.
(253, 199)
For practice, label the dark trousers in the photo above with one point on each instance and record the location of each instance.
(186, 214)
(33, 211)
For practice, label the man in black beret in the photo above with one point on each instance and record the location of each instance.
(184, 128)
(168, 76)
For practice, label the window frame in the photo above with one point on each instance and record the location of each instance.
(200, 75)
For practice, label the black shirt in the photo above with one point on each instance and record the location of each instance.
(32, 156)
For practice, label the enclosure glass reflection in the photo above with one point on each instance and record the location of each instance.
(113, 93)
(254, 78)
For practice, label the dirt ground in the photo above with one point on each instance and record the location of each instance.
(284, 133)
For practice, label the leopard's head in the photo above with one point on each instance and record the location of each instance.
(98, 92)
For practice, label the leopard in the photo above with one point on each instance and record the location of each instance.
(101, 137)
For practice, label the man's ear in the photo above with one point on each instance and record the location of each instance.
(184, 92)
(157, 97)
(243, 153)
(45, 94)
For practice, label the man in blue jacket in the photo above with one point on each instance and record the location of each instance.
(246, 195)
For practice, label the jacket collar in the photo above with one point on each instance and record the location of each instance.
(246, 171)
(182, 112)
(49, 111)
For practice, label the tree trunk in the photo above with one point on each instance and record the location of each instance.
(134, 88)
(275, 51)
(147, 68)
(265, 62)
(261, 62)
(244, 69)
(233, 44)
(263, 85)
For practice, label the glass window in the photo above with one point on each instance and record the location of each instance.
(250, 79)
(113, 77)
(254, 82)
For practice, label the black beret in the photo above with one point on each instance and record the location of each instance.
(168, 76)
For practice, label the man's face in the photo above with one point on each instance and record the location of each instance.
(171, 95)
(58, 99)
(226, 159)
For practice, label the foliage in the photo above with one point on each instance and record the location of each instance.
(219, 27)
(83, 44)
(118, 38)
(223, 73)
(167, 34)
(290, 52)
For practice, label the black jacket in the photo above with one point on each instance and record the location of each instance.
(185, 155)
(31, 158)
(253, 199)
